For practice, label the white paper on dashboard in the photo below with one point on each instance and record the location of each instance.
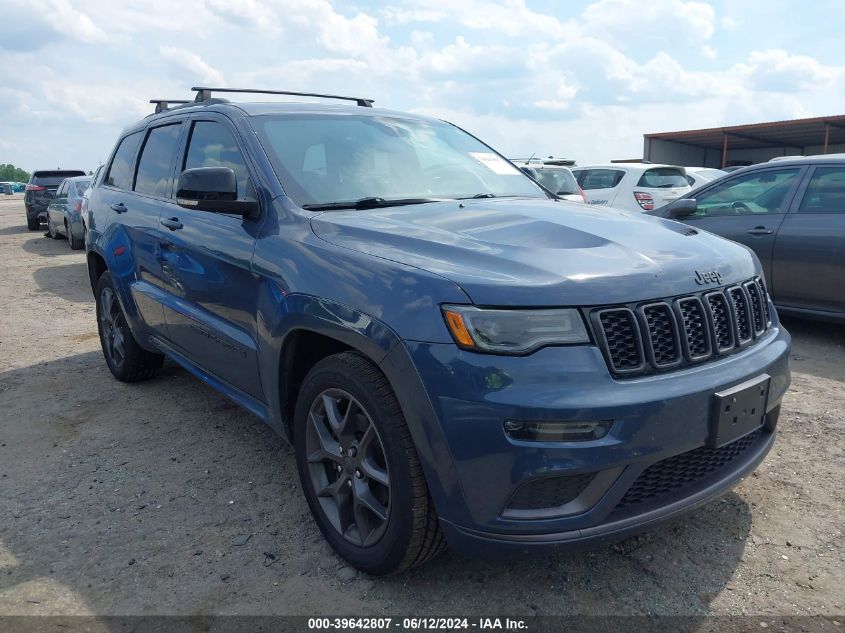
(494, 163)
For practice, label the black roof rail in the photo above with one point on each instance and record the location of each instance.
(164, 104)
(204, 94)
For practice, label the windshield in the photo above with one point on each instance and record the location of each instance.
(559, 181)
(663, 178)
(334, 158)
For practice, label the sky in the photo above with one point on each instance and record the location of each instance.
(576, 79)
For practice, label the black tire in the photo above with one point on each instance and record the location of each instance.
(74, 242)
(411, 533)
(51, 231)
(33, 224)
(133, 362)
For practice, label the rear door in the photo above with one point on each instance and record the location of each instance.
(600, 185)
(58, 205)
(748, 208)
(133, 232)
(808, 266)
(206, 261)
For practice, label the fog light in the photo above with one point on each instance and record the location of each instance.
(557, 431)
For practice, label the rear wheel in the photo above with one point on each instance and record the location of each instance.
(128, 361)
(359, 469)
(75, 242)
(32, 223)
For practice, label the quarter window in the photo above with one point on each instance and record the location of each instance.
(600, 179)
(121, 168)
(750, 194)
(155, 167)
(826, 191)
(212, 145)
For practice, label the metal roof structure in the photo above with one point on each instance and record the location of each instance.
(793, 134)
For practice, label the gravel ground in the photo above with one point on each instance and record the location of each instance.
(119, 499)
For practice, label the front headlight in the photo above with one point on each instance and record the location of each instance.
(513, 331)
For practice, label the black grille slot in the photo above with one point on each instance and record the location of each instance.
(679, 473)
(549, 492)
(721, 321)
(696, 330)
(758, 317)
(765, 295)
(662, 334)
(622, 339)
(742, 317)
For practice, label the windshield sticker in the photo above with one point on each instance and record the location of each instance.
(494, 163)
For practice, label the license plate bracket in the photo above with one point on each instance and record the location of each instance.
(738, 411)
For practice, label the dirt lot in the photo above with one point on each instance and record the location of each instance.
(118, 499)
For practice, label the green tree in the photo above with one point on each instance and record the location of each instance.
(11, 173)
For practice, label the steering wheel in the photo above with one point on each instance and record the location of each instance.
(740, 207)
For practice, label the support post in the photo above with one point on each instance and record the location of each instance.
(724, 150)
(826, 137)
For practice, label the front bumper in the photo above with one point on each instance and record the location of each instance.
(655, 418)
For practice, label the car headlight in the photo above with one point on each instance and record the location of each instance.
(513, 331)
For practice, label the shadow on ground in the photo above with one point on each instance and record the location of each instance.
(68, 281)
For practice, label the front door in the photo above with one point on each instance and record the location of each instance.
(206, 259)
(748, 209)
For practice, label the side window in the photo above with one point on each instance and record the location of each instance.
(212, 145)
(601, 179)
(155, 167)
(121, 168)
(749, 194)
(825, 192)
(62, 191)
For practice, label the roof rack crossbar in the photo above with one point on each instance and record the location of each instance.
(204, 93)
(164, 104)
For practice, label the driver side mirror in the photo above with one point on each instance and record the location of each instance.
(213, 189)
(683, 208)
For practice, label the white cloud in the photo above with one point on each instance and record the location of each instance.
(195, 65)
(777, 70)
(634, 22)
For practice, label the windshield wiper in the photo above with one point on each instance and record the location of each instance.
(478, 195)
(371, 202)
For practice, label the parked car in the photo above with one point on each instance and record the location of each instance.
(456, 355)
(632, 186)
(64, 214)
(40, 190)
(699, 176)
(792, 215)
(556, 178)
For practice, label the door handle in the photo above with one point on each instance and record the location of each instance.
(119, 207)
(172, 223)
(760, 230)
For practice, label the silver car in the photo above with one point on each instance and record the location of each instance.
(64, 213)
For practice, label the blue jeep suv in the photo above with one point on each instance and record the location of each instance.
(457, 355)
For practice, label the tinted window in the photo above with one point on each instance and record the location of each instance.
(663, 178)
(826, 191)
(155, 167)
(62, 191)
(212, 145)
(80, 186)
(121, 168)
(600, 178)
(330, 158)
(53, 178)
(559, 181)
(754, 193)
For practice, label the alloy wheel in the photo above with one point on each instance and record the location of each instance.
(348, 467)
(111, 322)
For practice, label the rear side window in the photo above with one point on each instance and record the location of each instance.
(600, 178)
(826, 191)
(155, 167)
(212, 145)
(663, 178)
(80, 186)
(121, 168)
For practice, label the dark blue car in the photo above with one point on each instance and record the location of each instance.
(458, 356)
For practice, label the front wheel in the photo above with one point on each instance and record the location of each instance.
(128, 361)
(359, 469)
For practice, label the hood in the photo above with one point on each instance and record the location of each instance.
(527, 252)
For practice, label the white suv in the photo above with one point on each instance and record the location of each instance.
(632, 186)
